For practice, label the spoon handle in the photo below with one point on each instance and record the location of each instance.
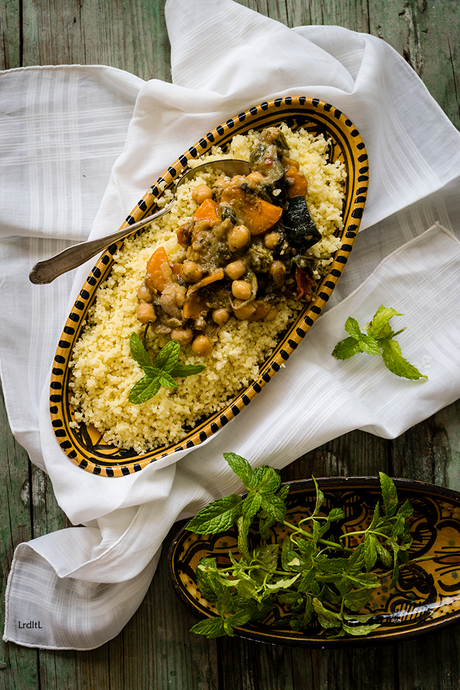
(46, 271)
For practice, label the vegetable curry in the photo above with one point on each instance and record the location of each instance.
(246, 248)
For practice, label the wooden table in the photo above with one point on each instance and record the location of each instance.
(155, 649)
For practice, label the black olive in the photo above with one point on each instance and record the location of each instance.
(299, 227)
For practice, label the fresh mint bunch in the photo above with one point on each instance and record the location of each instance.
(162, 373)
(379, 339)
(315, 576)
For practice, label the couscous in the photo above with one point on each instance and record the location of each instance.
(232, 320)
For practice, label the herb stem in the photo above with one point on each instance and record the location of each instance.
(309, 536)
(367, 531)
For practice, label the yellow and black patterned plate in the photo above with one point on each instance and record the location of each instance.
(427, 595)
(84, 445)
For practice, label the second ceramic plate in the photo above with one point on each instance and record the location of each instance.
(427, 595)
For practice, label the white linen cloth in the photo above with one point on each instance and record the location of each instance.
(61, 131)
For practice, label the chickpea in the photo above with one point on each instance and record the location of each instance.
(146, 312)
(271, 239)
(244, 312)
(272, 314)
(277, 271)
(201, 193)
(235, 269)
(255, 176)
(220, 316)
(241, 289)
(144, 294)
(184, 336)
(181, 292)
(261, 311)
(191, 272)
(202, 346)
(238, 237)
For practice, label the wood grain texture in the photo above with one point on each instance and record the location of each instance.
(18, 666)
(155, 649)
(128, 34)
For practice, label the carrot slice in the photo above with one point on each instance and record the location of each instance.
(208, 211)
(211, 278)
(297, 183)
(257, 214)
(158, 270)
(195, 306)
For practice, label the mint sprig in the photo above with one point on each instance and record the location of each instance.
(379, 339)
(316, 575)
(163, 373)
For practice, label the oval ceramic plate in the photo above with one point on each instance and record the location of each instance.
(84, 445)
(427, 595)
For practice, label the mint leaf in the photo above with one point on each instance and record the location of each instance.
(406, 509)
(242, 469)
(319, 498)
(327, 618)
(395, 362)
(370, 551)
(139, 353)
(356, 600)
(168, 356)
(166, 380)
(379, 339)
(282, 584)
(336, 514)
(210, 627)
(143, 390)
(206, 578)
(275, 508)
(346, 348)
(268, 480)
(389, 494)
(164, 371)
(385, 556)
(268, 555)
(182, 370)
(251, 505)
(218, 516)
(359, 630)
(368, 344)
(352, 327)
(379, 326)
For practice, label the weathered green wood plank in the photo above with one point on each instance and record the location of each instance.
(355, 454)
(173, 658)
(10, 34)
(430, 452)
(20, 665)
(129, 34)
(427, 34)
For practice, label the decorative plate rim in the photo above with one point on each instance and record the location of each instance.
(128, 462)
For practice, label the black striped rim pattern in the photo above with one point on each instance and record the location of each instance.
(85, 446)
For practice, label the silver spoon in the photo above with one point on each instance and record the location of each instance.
(46, 271)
